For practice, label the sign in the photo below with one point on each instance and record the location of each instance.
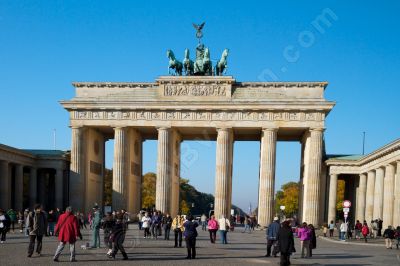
(346, 204)
(346, 210)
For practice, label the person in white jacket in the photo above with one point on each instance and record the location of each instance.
(343, 230)
(224, 226)
(146, 220)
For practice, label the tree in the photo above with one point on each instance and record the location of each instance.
(184, 207)
(149, 190)
(108, 177)
(288, 196)
(340, 195)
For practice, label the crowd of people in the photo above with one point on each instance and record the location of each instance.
(364, 231)
(66, 226)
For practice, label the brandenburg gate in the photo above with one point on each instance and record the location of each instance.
(177, 108)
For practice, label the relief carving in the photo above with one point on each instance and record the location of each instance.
(194, 90)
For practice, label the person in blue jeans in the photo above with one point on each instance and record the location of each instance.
(96, 222)
(224, 226)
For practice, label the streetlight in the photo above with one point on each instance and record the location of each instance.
(211, 210)
(282, 208)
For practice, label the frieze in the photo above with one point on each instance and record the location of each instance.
(199, 115)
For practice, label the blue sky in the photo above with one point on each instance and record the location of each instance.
(45, 45)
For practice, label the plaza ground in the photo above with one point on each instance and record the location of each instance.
(243, 249)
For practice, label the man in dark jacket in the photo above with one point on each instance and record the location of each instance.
(117, 237)
(37, 228)
(286, 243)
(166, 222)
(190, 235)
(272, 236)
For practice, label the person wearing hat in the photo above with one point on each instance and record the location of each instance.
(272, 237)
(95, 225)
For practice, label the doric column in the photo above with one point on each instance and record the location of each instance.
(59, 183)
(119, 169)
(332, 198)
(175, 175)
(77, 184)
(135, 171)
(378, 194)
(388, 198)
(19, 187)
(362, 189)
(41, 185)
(223, 172)
(163, 183)
(396, 211)
(32, 187)
(5, 185)
(267, 176)
(314, 175)
(369, 209)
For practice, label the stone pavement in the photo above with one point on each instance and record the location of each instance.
(243, 249)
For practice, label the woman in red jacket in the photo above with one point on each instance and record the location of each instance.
(365, 231)
(67, 229)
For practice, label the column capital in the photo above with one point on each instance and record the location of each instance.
(76, 127)
(274, 129)
(163, 128)
(223, 129)
(119, 128)
(320, 129)
(363, 174)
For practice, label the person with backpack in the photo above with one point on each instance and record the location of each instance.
(67, 229)
(365, 231)
(190, 235)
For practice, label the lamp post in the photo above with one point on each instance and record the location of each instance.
(211, 210)
(282, 208)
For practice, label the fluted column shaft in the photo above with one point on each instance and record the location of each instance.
(119, 169)
(332, 198)
(314, 175)
(362, 189)
(369, 209)
(223, 172)
(32, 187)
(378, 194)
(5, 185)
(396, 210)
(163, 183)
(19, 187)
(77, 182)
(59, 183)
(388, 198)
(267, 176)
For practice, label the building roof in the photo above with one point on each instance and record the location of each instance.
(353, 157)
(45, 153)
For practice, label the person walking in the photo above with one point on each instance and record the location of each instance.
(107, 226)
(272, 236)
(37, 224)
(67, 229)
(4, 225)
(51, 219)
(246, 224)
(374, 226)
(140, 217)
(95, 223)
(155, 222)
(365, 231)
(13, 218)
(388, 234)
(203, 220)
(224, 226)
(167, 223)
(397, 236)
(325, 229)
(190, 234)
(304, 235)
(313, 240)
(331, 228)
(118, 236)
(286, 243)
(177, 226)
(343, 230)
(20, 221)
(357, 229)
(380, 226)
(212, 228)
(146, 221)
